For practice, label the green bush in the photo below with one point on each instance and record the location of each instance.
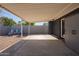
(7, 21)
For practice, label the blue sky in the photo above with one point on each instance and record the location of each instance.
(14, 17)
(9, 15)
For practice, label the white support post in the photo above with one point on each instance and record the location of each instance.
(21, 30)
(29, 29)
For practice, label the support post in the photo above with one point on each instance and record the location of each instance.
(21, 30)
(29, 29)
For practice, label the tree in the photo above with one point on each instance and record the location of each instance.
(25, 23)
(32, 24)
(7, 21)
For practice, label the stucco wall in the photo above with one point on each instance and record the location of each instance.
(51, 27)
(55, 27)
(72, 30)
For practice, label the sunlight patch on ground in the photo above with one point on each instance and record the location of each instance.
(7, 41)
(39, 37)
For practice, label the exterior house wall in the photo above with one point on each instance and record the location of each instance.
(55, 28)
(71, 35)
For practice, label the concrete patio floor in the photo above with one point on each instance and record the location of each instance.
(40, 37)
(38, 47)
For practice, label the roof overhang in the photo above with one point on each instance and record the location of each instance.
(34, 12)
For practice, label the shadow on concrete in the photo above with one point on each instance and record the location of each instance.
(38, 48)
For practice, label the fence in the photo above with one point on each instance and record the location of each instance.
(4, 30)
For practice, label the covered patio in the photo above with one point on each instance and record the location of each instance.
(50, 44)
(42, 45)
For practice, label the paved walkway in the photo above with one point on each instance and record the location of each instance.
(39, 48)
(7, 41)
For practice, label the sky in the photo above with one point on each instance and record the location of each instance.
(9, 15)
(14, 17)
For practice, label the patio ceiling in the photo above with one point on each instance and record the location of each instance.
(35, 12)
